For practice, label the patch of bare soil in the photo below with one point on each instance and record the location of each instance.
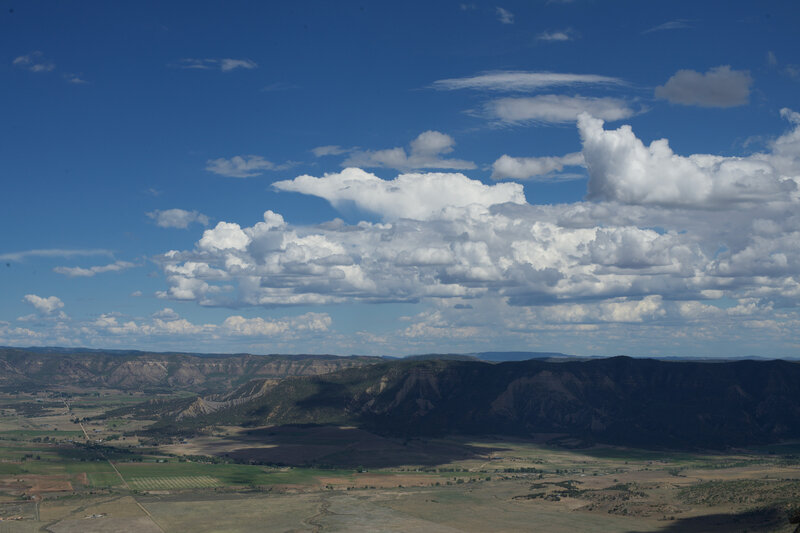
(621, 499)
(106, 524)
(35, 484)
(380, 481)
(48, 483)
(82, 479)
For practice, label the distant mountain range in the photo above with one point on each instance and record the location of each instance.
(496, 357)
(31, 369)
(483, 356)
(618, 400)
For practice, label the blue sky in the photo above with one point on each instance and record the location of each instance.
(395, 178)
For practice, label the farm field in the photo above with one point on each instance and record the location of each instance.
(97, 475)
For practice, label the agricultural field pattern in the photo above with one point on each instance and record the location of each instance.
(86, 460)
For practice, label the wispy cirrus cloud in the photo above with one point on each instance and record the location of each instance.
(75, 79)
(177, 218)
(34, 61)
(52, 252)
(555, 109)
(225, 65)
(678, 24)
(504, 15)
(520, 81)
(790, 69)
(557, 35)
(79, 272)
(542, 108)
(37, 62)
(330, 149)
(243, 166)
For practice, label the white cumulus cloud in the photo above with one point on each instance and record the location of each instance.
(664, 242)
(167, 324)
(166, 313)
(239, 325)
(425, 152)
(225, 236)
(523, 168)
(45, 306)
(417, 196)
(622, 168)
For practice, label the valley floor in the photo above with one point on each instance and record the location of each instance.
(62, 469)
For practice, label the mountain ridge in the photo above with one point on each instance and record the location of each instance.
(620, 400)
(152, 371)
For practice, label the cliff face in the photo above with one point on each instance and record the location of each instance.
(26, 370)
(619, 400)
(248, 392)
